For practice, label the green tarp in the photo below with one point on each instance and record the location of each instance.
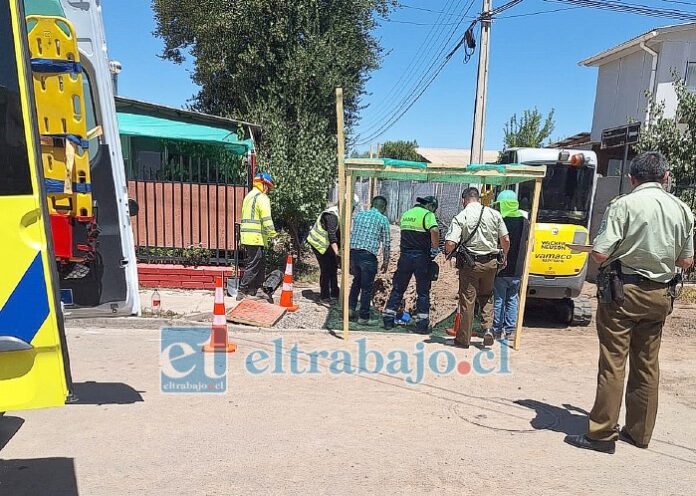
(156, 127)
(403, 170)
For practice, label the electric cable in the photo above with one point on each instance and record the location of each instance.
(408, 102)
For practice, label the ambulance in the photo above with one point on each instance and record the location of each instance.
(67, 244)
(84, 176)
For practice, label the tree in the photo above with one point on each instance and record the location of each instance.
(529, 130)
(675, 138)
(278, 63)
(401, 150)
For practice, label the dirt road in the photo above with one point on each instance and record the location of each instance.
(323, 433)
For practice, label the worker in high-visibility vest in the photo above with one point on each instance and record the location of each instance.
(420, 244)
(324, 238)
(255, 230)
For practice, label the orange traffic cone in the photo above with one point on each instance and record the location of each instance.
(452, 331)
(218, 333)
(286, 295)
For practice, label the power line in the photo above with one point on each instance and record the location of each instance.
(413, 23)
(432, 11)
(630, 8)
(405, 109)
(426, 81)
(414, 74)
(395, 114)
(420, 88)
(512, 16)
(681, 2)
(401, 85)
(408, 102)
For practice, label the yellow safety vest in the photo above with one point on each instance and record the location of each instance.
(318, 237)
(257, 224)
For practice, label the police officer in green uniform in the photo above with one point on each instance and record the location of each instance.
(478, 233)
(420, 239)
(643, 238)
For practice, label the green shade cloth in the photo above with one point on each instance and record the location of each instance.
(404, 163)
(156, 127)
(403, 170)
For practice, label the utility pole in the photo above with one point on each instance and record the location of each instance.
(481, 86)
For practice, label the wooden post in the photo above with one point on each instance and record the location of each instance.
(527, 262)
(345, 253)
(341, 152)
(372, 182)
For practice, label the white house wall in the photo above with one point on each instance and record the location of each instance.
(673, 57)
(620, 97)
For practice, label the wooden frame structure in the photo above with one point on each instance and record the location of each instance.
(487, 174)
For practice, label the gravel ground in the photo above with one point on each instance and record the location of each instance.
(344, 434)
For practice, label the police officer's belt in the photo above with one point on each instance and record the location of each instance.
(485, 258)
(638, 279)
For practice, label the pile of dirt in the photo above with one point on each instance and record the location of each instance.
(443, 292)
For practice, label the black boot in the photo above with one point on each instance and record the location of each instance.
(584, 442)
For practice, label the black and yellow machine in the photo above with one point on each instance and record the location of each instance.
(34, 367)
(557, 273)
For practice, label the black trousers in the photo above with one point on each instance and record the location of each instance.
(254, 271)
(328, 278)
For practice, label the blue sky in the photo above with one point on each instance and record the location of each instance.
(533, 63)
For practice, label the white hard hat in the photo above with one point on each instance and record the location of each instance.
(356, 200)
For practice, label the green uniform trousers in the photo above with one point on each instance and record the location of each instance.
(475, 285)
(631, 330)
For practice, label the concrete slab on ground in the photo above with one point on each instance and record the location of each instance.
(256, 313)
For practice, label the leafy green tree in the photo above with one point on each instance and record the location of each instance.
(675, 137)
(401, 150)
(301, 162)
(278, 63)
(530, 130)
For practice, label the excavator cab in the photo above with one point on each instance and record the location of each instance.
(557, 273)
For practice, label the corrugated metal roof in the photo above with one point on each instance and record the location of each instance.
(458, 157)
(571, 141)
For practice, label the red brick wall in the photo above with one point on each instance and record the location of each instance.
(178, 276)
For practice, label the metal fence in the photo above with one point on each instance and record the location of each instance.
(180, 221)
(401, 195)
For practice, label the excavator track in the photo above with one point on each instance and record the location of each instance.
(582, 311)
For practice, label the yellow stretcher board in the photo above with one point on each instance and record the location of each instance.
(33, 367)
(60, 107)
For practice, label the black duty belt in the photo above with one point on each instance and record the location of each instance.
(485, 258)
(638, 279)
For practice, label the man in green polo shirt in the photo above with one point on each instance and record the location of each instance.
(644, 236)
(420, 240)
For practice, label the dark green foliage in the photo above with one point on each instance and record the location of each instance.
(278, 63)
(675, 137)
(529, 131)
(401, 150)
